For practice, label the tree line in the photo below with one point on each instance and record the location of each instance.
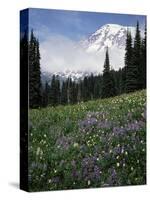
(110, 83)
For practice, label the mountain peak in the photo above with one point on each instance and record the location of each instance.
(109, 35)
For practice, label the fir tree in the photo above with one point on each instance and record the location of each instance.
(64, 93)
(130, 68)
(143, 59)
(97, 87)
(108, 82)
(34, 73)
(57, 91)
(138, 71)
(55, 94)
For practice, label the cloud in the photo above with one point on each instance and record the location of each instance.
(59, 53)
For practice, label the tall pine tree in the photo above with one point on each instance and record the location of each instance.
(130, 68)
(137, 58)
(34, 73)
(64, 93)
(143, 59)
(108, 89)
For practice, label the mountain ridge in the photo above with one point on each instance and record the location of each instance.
(112, 36)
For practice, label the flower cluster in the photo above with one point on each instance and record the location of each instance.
(93, 144)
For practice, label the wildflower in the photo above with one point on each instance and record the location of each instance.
(38, 151)
(75, 144)
(118, 164)
(89, 182)
(49, 181)
(126, 153)
(131, 168)
(122, 150)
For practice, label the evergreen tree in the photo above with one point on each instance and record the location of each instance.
(57, 91)
(79, 91)
(138, 69)
(34, 73)
(64, 93)
(53, 91)
(55, 94)
(97, 87)
(46, 95)
(69, 84)
(130, 68)
(73, 92)
(143, 59)
(108, 82)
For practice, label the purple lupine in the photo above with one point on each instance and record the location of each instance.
(90, 169)
(104, 124)
(112, 179)
(63, 142)
(119, 131)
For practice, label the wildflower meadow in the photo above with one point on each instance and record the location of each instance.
(97, 143)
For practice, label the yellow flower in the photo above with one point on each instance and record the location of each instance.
(75, 144)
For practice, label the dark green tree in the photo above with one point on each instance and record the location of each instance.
(97, 86)
(34, 73)
(138, 69)
(143, 59)
(64, 93)
(55, 94)
(130, 68)
(108, 89)
(57, 91)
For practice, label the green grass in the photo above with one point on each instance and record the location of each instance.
(92, 144)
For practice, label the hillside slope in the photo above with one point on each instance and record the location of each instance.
(93, 144)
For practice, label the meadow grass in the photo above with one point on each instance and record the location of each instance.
(97, 143)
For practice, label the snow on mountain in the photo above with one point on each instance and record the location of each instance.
(109, 35)
(88, 55)
(112, 36)
(62, 76)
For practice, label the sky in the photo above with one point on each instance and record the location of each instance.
(76, 25)
(60, 31)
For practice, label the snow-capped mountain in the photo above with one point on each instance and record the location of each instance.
(91, 52)
(62, 76)
(109, 35)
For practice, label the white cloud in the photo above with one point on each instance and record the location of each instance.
(59, 53)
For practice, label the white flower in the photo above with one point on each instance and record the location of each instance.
(131, 168)
(118, 164)
(38, 151)
(89, 182)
